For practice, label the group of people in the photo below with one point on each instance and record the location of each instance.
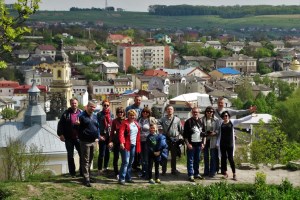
(141, 139)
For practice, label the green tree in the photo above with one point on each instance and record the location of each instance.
(8, 113)
(288, 116)
(268, 144)
(244, 91)
(284, 89)
(155, 112)
(263, 68)
(261, 104)
(237, 103)
(11, 25)
(131, 70)
(271, 100)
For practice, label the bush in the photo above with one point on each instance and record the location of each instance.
(5, 193)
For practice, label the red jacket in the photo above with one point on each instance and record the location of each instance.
(125, 139)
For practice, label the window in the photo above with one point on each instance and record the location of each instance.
(96, 90)
(58, 74)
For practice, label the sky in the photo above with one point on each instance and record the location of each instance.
(142, 5)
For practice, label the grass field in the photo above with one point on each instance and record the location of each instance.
(144, 20)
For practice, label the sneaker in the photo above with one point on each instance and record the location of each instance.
(100, 172)
(191, 179)
(87, 184)
(157, 181)
(234, 177)
(130, 181)
(121, 182)
(198, 176)
(117, 177)
(151, 181)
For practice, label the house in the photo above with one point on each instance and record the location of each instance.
(121, 84)
(7, 87)
(286, 52)
(287, 76)
(200, 61)
(6, 103)
(140, 81)
(118, 39)
(46, 50)
(278, 44)
(76, 49)
(197, 99)
(143, 56)
(253, 46)
(35, 130)
(192, 71)
(255, 121)
(186, 84)
(265, 90)
(22, 90)
(154, 72)
(235, 46)
(102, 88)
(275, 63)
(79, 86)
(239, 62)
(110, 69)
(21, 54)
(162, 38)
(213, 44)
(224, 73)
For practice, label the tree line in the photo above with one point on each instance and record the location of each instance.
(236, 11)
(92, 9)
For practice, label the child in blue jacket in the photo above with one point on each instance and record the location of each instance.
(157, 149)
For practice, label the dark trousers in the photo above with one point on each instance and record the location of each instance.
(153, 159)
(103, 153)
(116, 151)
(227, 153)
(70, 145)
(172, 147)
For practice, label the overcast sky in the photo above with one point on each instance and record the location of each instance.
(142, 5)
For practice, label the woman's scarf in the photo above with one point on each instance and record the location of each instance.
(107, 119)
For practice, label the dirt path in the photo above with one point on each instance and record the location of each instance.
(244, 176)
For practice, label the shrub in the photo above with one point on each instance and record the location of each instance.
(5, 193)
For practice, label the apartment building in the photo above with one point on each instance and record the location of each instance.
(143, 56)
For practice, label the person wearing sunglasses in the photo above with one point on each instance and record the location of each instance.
(226, 141)
(114, 142)
(105, 118)
(211, 131)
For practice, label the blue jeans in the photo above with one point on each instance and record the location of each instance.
(210, 160)
(193, 159)
(144, 157)
(126, 166)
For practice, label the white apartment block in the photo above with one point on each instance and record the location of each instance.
(143, 56)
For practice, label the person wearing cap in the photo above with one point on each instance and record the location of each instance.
(211, 131)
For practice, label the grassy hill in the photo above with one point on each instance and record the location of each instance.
(144, 20)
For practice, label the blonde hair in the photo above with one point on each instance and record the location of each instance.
(153, 125)
(131, 112)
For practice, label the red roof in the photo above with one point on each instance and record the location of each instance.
(46, 47)
(9, 84)
(23, 89)
(153, 72)
(116, 37)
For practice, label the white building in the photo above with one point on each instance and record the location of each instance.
(102, 87)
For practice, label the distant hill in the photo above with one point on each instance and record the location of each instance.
(146, 20)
